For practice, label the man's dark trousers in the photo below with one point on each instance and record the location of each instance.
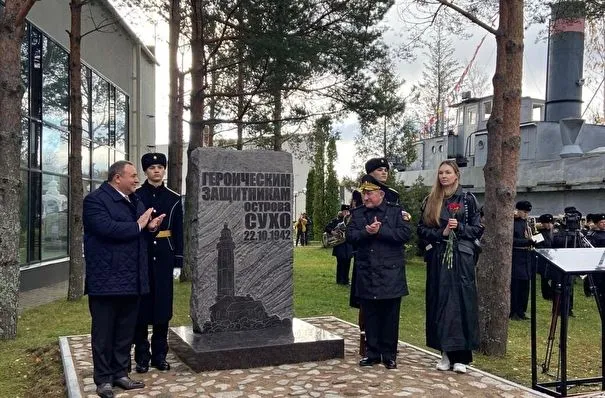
(343, 265)
(159, 343)
(113, 324)
(382, 327)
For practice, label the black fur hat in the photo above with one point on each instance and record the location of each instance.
(523, 205)
(150, 159)
(375, 163)
(546, 218)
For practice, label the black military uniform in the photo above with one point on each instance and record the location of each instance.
(597, 238)
(521, 272)
(547, 234)
(381, 280)
(165, 252)
(344, 251)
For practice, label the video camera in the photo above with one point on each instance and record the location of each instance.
(572, 219)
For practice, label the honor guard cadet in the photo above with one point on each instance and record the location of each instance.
(597, 235)
(165, 252)
(377, 172)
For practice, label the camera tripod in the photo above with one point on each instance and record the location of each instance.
(573, 239)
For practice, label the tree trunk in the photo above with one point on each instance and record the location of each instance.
(76, 194)
(500, 171)
(240, 97)
(277, 114)
(12, 25)
(196, 135)
(175, 133)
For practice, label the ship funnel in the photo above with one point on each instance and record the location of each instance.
(570, 131)
(565, 61)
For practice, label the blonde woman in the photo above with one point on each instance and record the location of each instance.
(451, 218)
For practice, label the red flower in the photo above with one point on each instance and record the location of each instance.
(453, 208)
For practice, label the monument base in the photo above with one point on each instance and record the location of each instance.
(302, 342)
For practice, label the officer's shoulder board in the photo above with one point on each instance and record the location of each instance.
(393, 190)
(391, 204)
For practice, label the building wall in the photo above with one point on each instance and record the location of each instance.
(118, 85)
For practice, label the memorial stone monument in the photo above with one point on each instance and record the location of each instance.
(242, 249)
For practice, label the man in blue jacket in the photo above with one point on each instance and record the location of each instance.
(115, 250)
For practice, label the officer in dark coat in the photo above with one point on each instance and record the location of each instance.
(597, 238)
(521, 272)
(378, 233)
(546, 230)
(344, 251)
(116, 223)
(165, 251)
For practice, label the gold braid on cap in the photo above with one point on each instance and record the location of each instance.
(368, 186)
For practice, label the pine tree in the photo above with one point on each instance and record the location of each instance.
(320, 133)
(438, 79)
(310, 192)
(332, 194)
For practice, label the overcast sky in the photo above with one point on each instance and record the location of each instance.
(534, 72)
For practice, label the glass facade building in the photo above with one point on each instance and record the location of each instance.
(45, 146)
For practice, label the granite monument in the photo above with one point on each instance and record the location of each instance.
(242, 250)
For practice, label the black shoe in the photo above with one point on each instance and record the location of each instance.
(369, 361)
(390, 364)
(141, 368)
(104, 390)
(127, 383)
(162, 365)
(515, 317)
(523, 317)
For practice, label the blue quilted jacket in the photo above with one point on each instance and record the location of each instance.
(115, 250)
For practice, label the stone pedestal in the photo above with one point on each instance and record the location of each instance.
(301, 342)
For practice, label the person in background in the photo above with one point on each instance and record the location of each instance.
(308, 235)
(300, 226)
(378, 233)
(165, 252)
(546, 224)
(452, 325)
(344, 251)
(116, 225)
(521, 272)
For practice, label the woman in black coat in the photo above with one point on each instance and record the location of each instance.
(451, 293)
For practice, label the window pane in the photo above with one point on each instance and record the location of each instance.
(35, 209)
(112, 116)
(121, 120)
(54, 216)
(100, 110)
(35, 74)
(25, 71)
(86, 186)
(100, 162)
(55, 147)
(85, 89)
(24, 219)
(120, 156)
(24, 142)
(55, 85)
(34, 145)
(86, 159)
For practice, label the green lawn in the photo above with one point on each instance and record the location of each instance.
(30, 366)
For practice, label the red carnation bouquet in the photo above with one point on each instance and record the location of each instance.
(448, 256)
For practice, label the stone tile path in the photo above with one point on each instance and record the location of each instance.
(415, 377)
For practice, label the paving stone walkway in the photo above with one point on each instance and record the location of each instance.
(415, 377)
